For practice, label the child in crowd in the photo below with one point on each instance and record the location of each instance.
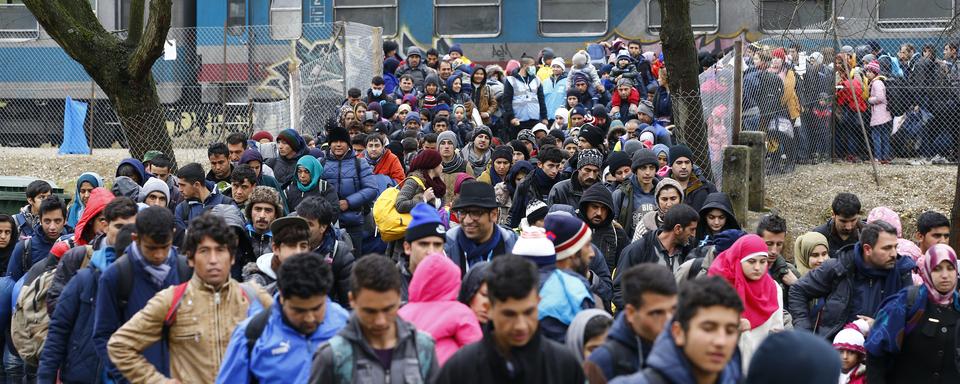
(853, 356)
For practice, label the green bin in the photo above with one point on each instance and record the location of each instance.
(12, 192)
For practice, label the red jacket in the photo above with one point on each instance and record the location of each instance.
(390, 165)
(845, 99)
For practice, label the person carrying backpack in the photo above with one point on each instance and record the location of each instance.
(194, 318)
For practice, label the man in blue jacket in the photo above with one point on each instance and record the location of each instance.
(68, 348)
(277, 345)
(53, 218)
(151, 265)
(197, 195)
(351, 178)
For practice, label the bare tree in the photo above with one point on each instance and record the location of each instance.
(121, 67)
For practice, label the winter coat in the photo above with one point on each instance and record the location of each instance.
(697, 190)
(485, 100)
(197, 340)
(620, 354)
(68, 266)
(411, 193)
(833, 239)
(567, 192)
(555, 91)
(593, 78)
(190, 209)
(389, 165)
(413, 354)
(669, 361)
(352, 184)
(609, 236)
(281, 353)
(69, 348)
(337, 250)
(285, 169)
(632, 203)
(39, 250)
(294, 196)
(450, 179)
(713, 201)
(837, 281)
(527, 190)
(790, 99)
(419, 73)
(647, 250)
(541, 360)
(432, 307)
(260, 243)
(523, 99)
(879, 114)
(452, 249)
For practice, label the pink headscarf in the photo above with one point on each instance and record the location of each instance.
(759, 297)
(934, 256)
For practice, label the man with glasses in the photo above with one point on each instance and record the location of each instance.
(478, 238)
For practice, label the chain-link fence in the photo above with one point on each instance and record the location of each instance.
(211, 82)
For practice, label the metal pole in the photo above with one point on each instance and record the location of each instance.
(737, 90)
(223, 84)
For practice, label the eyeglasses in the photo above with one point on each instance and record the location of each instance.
(475, 214)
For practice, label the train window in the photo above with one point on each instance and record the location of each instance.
(795, 15)
(377, 13)
(916, 14)
(286, 19)
(704, 15)
(573, 17)
(16, 21)
(466, 18)
(236, 13)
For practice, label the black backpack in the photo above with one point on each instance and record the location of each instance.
(252, 333)
(899, 96)
(125, 278)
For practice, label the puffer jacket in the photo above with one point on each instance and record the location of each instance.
(433, 306)
(351, 184)
(260, 243)
(609, 236)
(198, 338)
(389, 165)
(567, 192)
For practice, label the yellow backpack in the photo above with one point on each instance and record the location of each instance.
(392, 224)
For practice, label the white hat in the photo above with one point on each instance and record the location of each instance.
(534, 245)
(539, 127)
(559, 62)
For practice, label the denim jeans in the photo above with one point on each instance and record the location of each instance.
(880, 139)
(13, 367)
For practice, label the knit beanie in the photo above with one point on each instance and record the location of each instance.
(291, 137)
(462, 177)
(412, 116)
(404, 107)
(263, 194)
(578, 110)
(567, 232)
(631, 147)
(448, 135)
(646, 108)
(562, 112)
(624, 82)
(482, 130)
(426, 159)
(570, 140)
(644, 157)
(592, 135)
(154, 184)
(533, 245)
(678, 151)
(589, 157)
(502, 152)
(536, 211)
(527, 135)
(617, 160)
(850, 338)
(338, 134)
(424, 222)
(558, 62)
(262, 135)
(873, 67)
(518, 146)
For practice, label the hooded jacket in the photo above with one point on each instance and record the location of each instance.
(483, 96)
(697, 190)
(452, 248)
(285, 169)
(281, 354)
(420, 72)
(297, 192)
(716, 200)
(138, 165)
(647, 250)
(388, 164)
(632, 203)
(99, 198)
(609, 236)
(652, 220)
(351, 184)
(39, 250)
(433, 306)
(621, 354)
(337, 249)
(567, 192)
(252, 154)
(189, 209)
(670, 362)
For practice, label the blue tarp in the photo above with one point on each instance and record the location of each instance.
(74, 139)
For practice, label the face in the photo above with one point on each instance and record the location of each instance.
(413, 60)
(710, 339)
(241, 191)
(35, 202)
(572, 101)
(667, 198)
(684, 234)
(283, 148)
(517, 156)
(447, 149)
(588, 175)
(580, 262)
(339, 148)
(420, 248)
(662, 158)
(303, 176)
(938, 235)
(85, 189)
(454, 55)
(235, 150)
(646, 173)
(349, 118)
(156, 199)
(845, 225)
(412, 125)
(459, 113)
(571, 149)
(519, 177)
(716, 219)
(428, 145)
(480, 304)
(650, 319)
(849, 359)
(944, 277)
(52, 223)
(374, 149)
(262, 214)
(597, 213)
(154, 252)
(284, 251)
(515, 321)
(211, 262)
(255, 166)
(6, 233)
(556, 70)
(430, 89)
(477, 76)
(576, 120)
(551, 168)
(112, 230)
(949, 52)
(304, 315)
(774, 244)
(884, 253)
(819, 254)
(188, 190)
(445, 70)
(581, 86)
(477, 223)
(624, 90)
(501, 166)
(681, 169)
(904, 53)
(634, 49)
(376, 311)
(593, 343)
(481, 142)
(406, 84)
(754, 268)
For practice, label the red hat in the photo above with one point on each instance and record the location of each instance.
(426, 159)
(262, 135)
(779, 52)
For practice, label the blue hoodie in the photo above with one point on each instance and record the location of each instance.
(281, 354)
(138, 165)
(670, 362)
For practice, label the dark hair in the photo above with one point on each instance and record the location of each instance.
(376, 273)
(376, 138)
(212, 226)
(218, 149)
(130, 171)
(161, 161)
(680, 214)
(37, 187)
(634, 42)
(124, 238)
(644, 278)
(243, 172)
(846, 205)
(119, 208)
(155, 223)
(405, 76)
(550, 154)
(871, 232)
(596, 326)
(952, 45)
(353, 92)
(704, 292)
(930, 220)
(430, 138)
(237, 138)
(547, 140)
(377, 80)
(191, 173)
(304, 275)
(15, 233)
(511, 277)
(772, 223)
(307, 138)
(360, 138)
(53, 203)
(290, 234)
(442, 62)
(318, 208)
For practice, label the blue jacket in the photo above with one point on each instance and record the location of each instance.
(196, 208)
(69, 347)
(110, 316)
(352, 184)
(453, 251)
(281, 354)
(39, 249)
(620, 353)
(669, 361)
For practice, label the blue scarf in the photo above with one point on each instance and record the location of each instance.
(103, 257)
(895, 320)
(475, 253)
(890, 278)
(76, 209)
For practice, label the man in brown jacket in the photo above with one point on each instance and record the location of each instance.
(196, 318)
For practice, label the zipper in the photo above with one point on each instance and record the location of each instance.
(216, 333)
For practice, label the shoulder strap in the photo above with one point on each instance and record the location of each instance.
(695, 268)
(87, 257)
(654, 377)
(171, 316)
(343, 363)
(124, 279)
(25, 257)
(912, 293)
(417, 180)
(252, 333)
(356, 164)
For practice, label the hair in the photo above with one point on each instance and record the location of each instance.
(304, 275)
(161, 161)
(53, 203)
(124, 238)
(682, 215)
(930, 220)
(405, 76)
(155, 223)
(237, 138)
(307, 138)
(951, 45)
(5, 218)
(596, 326)
(370, 138)
(353, 92)
(908, 47)
(511, 277)
(550, 154)
(130, 171)
(772, 223)
(290, 234)
(359, 139)
(377, 80)
(37, 187)
(704, 292)
(243, 172)
(217, 149)
(212, 226)
(634, 42)
(846, 205)
(545, 141)
(430, 138)
(318, 208)
(444, 62)
(191, 173)
(376, 273)
(643, 278)
(119, 208)
(871, 232)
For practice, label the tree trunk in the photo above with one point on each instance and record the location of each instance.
(683, 70)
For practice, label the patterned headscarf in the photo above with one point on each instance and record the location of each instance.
(934, 256)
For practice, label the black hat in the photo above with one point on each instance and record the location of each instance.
(678, 151)
(476, 195)
(591, 134)
(644, 157)
(338, 134)
(617, 160)
(502, 152)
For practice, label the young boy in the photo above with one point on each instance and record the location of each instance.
(849, 342)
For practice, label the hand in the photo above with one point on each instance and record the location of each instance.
(428, 195)
(484, 115)
(545, 122)
(744, 325)
(514, 121)
(344, 205)
(789, 278)
(869, 320)
(600, 88)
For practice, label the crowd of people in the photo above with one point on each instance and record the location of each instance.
(412, 242)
